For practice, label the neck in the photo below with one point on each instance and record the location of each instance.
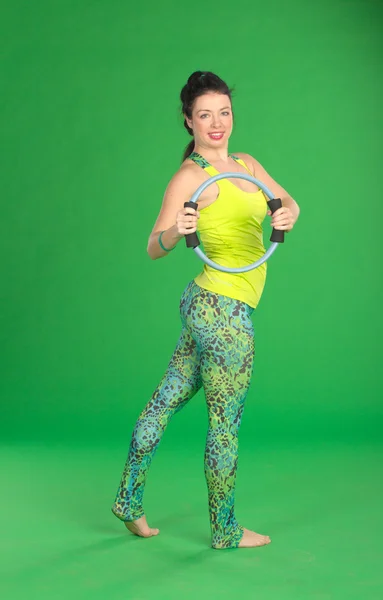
(213, 154)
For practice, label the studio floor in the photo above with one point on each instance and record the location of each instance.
(321, 504)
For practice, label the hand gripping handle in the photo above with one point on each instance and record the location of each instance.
(277, 235)
(192, 240)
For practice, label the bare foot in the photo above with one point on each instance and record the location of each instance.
(141, 528)
(250, 539)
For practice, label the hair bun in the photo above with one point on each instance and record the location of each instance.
(194, 77)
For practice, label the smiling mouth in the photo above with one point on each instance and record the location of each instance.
(216, 136)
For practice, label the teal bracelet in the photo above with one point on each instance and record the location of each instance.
(161, 244)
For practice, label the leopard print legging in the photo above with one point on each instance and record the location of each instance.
(215, 350)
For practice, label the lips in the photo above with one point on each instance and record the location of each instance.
(216, 135)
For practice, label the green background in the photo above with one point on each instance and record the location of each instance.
(91, 135)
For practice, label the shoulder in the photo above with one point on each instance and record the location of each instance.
(253, 164)
(188, 176)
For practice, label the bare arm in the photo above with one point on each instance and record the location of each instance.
(171, 219)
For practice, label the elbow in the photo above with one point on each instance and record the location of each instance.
(149, 249)
(150, 254)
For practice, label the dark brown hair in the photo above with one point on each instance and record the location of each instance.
(199, 83)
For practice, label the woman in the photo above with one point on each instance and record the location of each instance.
(216, 346)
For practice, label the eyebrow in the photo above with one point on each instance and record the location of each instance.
(207, 110)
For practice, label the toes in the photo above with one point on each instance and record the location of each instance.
(149, 532)
(144, 532)
(141, 529)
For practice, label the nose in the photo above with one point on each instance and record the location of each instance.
(216, 120)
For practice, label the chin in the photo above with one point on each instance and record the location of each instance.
(218, 144)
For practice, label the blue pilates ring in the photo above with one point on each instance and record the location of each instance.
(277, 236)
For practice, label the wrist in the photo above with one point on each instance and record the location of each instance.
(169, 238)
(174, 235)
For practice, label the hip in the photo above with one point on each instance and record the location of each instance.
(201, 308)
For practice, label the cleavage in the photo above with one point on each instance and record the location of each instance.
(248, 187)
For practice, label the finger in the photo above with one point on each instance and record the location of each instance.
(281, 225)
(278, 212)
(281, 219)
(283, 211)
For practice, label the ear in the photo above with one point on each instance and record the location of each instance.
(188, 121)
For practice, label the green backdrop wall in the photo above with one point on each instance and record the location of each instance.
(91, 135)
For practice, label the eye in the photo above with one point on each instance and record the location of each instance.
(204, 115)
(225, 112)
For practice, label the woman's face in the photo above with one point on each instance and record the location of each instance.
(212, 120)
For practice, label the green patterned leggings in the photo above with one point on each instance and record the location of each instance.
(215, 350)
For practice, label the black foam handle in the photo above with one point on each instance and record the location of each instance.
(277, 235)
(191, 238)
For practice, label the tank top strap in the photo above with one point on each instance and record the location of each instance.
(202, 162)
(241, 162)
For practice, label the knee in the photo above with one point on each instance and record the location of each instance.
(146, 436)
(225, 423)
(224, 435)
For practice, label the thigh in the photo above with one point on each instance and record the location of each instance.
(181, 380)
(226, 369)
(224, 333)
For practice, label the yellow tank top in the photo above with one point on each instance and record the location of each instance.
(230, 230)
